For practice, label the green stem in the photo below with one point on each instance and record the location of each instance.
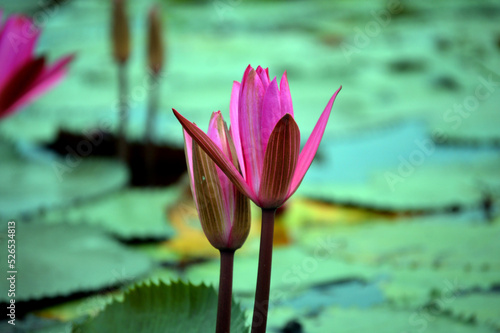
(152, 107)
(149, 130)
(123, 115)
(261, 304)
(225, 291)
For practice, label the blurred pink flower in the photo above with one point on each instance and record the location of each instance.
(266, 138)
(23, 77)
(224, 212)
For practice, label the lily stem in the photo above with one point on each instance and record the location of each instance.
(261, 304)
(149, 134)
(123, 115)
(225, 291)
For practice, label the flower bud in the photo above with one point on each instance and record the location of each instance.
(224, 211)
(120, 35)
(155, 41)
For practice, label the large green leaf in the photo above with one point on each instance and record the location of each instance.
(293, 271)
(410, 187)
(132, 213)
(56, 260)
(377, 319)
(435, 243)
(159, 308)
(482, 307)
(35, 180)
(416, 287)
(34, 324)
(92, 305)
(418, 258)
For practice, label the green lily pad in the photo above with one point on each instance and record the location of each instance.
(129, 214)
(475, 120)
(92, 305)
(435, 243)
(293, 271)
(417, 287)
(417, 259)
(57, 260)
(34, 324)
(425, 187)
(484, 308)
(36, 180)
(377, 319)
(175, 307)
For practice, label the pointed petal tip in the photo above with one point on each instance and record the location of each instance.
(176, 113)
(338, 90)
(216, 114)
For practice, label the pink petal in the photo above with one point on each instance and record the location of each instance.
(217, 133)
(245, 74)
(235, 128)
(17, 42)
(44, 82)
(213, 132)
(285, 96)
(309, 151)
(279, 163)
(271, 112)
(19, 84)
(188, 150)
(263, 75)
(249, 121)
(217, 156)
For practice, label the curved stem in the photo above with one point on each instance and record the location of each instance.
(225, 291)
(261, 304)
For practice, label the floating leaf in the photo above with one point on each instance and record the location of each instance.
(484, 308)
(435, 243)
(417, 287)
(417, 258)
(377, 319)
(132, 213)
(293, 271)
(56, 260)
(39, 181)
(400, 169)
(175, 307)
(92, 305)
(34, 324)
(72, 310)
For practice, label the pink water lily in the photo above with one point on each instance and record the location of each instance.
(224, 211)
(266, 138)
(23, 77)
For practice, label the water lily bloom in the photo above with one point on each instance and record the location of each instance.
(224, 212)
(23, 77)
(266, 139)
